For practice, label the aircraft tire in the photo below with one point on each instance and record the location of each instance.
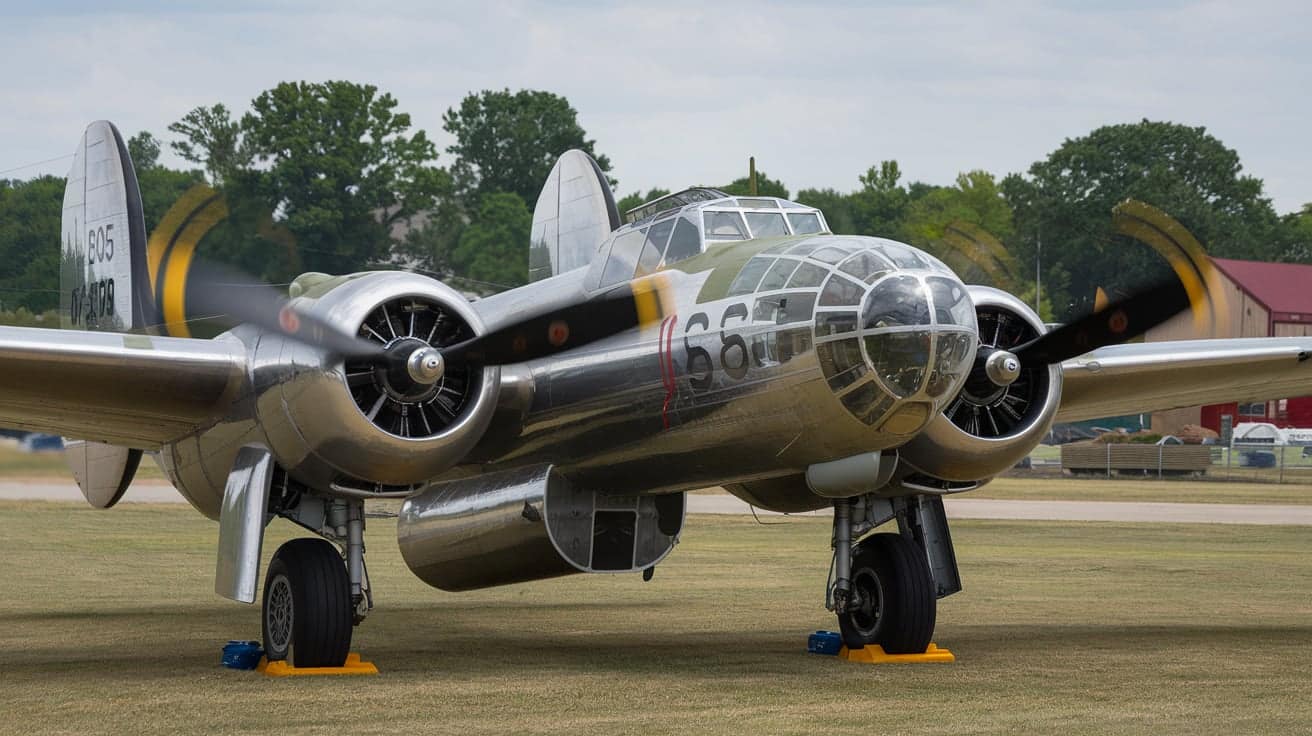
(307, 611)
(892, 574)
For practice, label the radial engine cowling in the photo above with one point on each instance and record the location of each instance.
(344, 424)
(987, 429)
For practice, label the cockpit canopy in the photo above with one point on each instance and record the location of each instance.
(682, 225)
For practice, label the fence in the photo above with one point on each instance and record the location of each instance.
(1261, 462)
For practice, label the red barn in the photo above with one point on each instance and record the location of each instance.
(1265, 300)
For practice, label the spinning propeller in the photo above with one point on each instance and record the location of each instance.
(1193, 286)
(1115, 323)
(219, 290)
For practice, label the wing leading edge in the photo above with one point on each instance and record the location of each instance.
(1155, 376)
(131, 390)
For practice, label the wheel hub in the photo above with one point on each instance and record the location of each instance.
(867, 602)
(279, 614)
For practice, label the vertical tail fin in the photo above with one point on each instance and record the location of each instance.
(574, 214)
(103, 279)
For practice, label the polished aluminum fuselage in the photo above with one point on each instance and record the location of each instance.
(732, 385)
(683, 403)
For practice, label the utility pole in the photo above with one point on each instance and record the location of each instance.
(751, 176)
(1038, 269)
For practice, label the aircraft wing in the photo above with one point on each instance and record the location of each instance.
(1155, 376)
(130, 390)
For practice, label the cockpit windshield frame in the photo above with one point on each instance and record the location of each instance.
(690, 211)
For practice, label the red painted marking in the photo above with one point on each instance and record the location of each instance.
(1118, 322)
(666, 356)
(557, 333)
(288, 320)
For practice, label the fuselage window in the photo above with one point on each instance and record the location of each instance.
(778, 274)
(766, 224)
(866, 266)
(684, 243)
(749, 276)
(804, 222)
(783, 309)
(808, 275)
(841, 292)
(623, 259)
(724, 226)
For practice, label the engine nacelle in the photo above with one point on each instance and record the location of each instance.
(987, 429)
(530, 524)
(341, 424)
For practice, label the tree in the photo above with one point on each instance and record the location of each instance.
(29, 242)
(765, 186)
(212, 139)
(339, 165)
(508, 141)
(964, 225)
(638, 199)
(160, 186)
(879, 207)
(1065, 204)
(493, 249)
(836, 206)
(1297, 235)
(143, 149)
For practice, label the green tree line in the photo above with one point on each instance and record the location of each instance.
(335, 177)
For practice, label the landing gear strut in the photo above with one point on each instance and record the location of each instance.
(884, 588)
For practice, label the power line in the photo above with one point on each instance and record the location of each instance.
(37, 163)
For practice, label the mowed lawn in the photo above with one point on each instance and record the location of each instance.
(109, 625)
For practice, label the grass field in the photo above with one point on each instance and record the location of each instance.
(110, 625)
(1120, 489)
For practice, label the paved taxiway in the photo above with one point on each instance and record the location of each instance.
(957, 508)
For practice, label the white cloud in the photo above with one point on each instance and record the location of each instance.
(682, 93)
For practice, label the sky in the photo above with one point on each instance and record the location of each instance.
(678, 94)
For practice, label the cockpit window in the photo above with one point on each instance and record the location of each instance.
(896, 301)
(952, 306)
(778, 275)
(900, 254)
(804, 223)
(724, 226)
(622, 262)
(841, 292)
(758, 203)
(866, 266)
(808, 275)
(652, 252)
(766, 224)
(749, 276)
(685, 243)
(899, 359)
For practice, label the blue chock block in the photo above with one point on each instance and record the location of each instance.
(824, 642)
(242, 655)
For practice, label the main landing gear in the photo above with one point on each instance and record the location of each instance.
(884, 588)
(313, 597)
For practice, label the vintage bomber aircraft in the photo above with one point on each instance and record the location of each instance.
(554, 428)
